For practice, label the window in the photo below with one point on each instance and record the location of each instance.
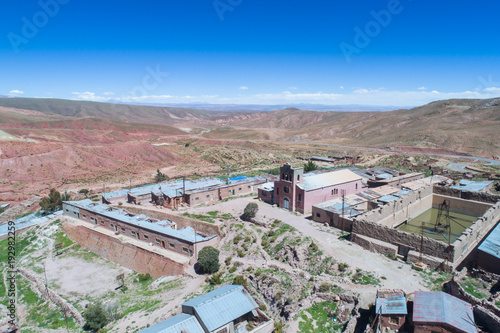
(84, 216)
(133, 233)
(356, 186)
(394, 321)
(102, 222)
(172, 245)
(112, 226)
(239, 189)
(191, 252)
(298, 177)
(208, 196)
(146, 236)
(158, 241)
(299, 198)
(67, 210)
(264, 193)
(335, 191)
(123, 229)
(286, 189)
(277, 190)
(196, 199)
(184, 250)
(318, 215)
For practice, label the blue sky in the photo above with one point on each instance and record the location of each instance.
(400, 53)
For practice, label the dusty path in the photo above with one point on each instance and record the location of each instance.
(396, 273)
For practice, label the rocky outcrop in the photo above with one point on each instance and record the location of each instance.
(51, 296)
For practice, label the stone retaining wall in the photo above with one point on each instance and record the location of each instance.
(125, 254)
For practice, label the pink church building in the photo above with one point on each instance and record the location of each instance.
(298, 192)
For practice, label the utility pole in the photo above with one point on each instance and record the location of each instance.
(421, 242)
(343, 203)
(46, 283)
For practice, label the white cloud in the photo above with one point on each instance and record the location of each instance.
(341, 87)
(363, 96)
(422, 88)
(108, 93)
(494, 90)
(243, 88)
(293, 88)
(16, 92)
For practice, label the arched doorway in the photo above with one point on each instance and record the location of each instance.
(286, 203)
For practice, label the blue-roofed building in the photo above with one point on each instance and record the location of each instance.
(436, 311)
(391, 310)
(228, 309)
(176, 324)
(488, 256)
(474, 186)
(163, 234)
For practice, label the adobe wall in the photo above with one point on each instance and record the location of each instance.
(396, 211)
(475, 196)
(472, 236)
(317, 196)
(125, 254)
(412, 241)
(461, 206)
(202, 227)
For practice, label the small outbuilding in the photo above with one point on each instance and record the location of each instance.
(392, 312)
(436, 311)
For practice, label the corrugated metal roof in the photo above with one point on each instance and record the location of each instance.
(388, 198)
(391, 305)
(176, 324)
(222, 305)
(491, 243)
(474, 186)
(328, 179)
(187, 234)
(439, 307)
(267, 186)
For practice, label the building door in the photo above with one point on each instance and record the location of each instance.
(212, 197)
(116, 227)
(286, 203)
(233, 192)
(163, 244)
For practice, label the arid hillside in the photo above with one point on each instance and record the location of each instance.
(463, 126)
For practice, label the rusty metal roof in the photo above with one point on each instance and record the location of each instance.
(437, 307)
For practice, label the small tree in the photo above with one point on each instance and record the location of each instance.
(310, 166)
(251, 210)
(208, 259)
(95, 318)
(159, 177)
(54, 200)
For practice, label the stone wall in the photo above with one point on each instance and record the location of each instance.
(202, 227)
(461, 206)
(399, 210)
(475, 196)
(125, 254)
(430, 246)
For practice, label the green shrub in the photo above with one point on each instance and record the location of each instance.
(313, 246)
(216, 279)
(233, 269)
(144, 277)
(208, 259)
(343, 266)
(95, 317)
(324, 287)
(241, 253)
(263, 307)
(227, 261)
(240, 280)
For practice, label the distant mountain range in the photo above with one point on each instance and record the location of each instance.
(462, 125)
